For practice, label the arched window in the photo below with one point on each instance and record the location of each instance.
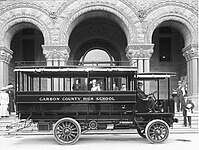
(97, 57)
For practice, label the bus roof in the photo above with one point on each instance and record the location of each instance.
(74, 68)
(155, 75)
(76, 71)
(82, 71)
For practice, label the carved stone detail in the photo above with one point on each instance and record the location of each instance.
(137, 51)
(56, 52)
(53, 15)
(155, 4)
(5, 54)
(191, 52)
(129, 13)
(28, 15)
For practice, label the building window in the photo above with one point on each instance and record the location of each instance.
(97, 57)
(28, 49)
(164, 49)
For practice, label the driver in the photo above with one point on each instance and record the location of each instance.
(143, 96)
(141, 93)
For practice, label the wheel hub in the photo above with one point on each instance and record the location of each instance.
(67, 131)
(158, 132)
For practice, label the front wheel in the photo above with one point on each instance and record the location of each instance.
(141, 132)
(157, 131)
(67, 131)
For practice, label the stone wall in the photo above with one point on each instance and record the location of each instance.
(138, 18)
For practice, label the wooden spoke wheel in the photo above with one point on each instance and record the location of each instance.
(67, 131)
(157, 131)
(141, 132)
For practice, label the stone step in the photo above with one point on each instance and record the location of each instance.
(7, 121)
(181, 126)
(194, 112)
(194, 121)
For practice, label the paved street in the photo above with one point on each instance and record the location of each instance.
(99, 142)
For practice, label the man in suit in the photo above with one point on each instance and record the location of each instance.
(180, 95)
(149, 98)
(141, 93)
(187, 105)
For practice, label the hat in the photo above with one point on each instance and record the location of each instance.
(9, 86)
(3, 89)
(179, 82)
(140, 83)
(174, 92)
(189, 105)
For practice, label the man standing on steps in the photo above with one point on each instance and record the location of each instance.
(11, 97)
(187, 109)
(180, 96)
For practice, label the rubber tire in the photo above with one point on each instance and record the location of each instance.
(164, 130)
(73, 125)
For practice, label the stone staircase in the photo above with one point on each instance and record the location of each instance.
(177, 127)
(6, 121)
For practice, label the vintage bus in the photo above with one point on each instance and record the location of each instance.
(70, 100)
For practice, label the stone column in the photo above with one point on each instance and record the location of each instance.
(56, 55)
(139, 56)
(191, 54)
(5, 57)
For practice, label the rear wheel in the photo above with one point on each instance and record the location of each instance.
(67, 131)
(157, 131)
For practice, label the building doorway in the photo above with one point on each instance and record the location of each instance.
(27, 50)
(98, 33)
(168, 57)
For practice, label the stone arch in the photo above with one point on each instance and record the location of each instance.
(20, 19)
(122, 15)
(178, 20)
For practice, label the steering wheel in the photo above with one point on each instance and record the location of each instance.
(153, 102)
(153, 93)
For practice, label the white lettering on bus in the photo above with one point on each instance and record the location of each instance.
(76, 99)
(49, 99)
(71, 99)
(105, 98)
(88, 98)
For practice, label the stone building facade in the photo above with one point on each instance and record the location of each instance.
(156, 35)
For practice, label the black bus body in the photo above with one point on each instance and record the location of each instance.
(46, 96)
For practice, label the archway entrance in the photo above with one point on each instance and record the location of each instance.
(97, 33)
(26, 46)
(98, 39)
(168, 57)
